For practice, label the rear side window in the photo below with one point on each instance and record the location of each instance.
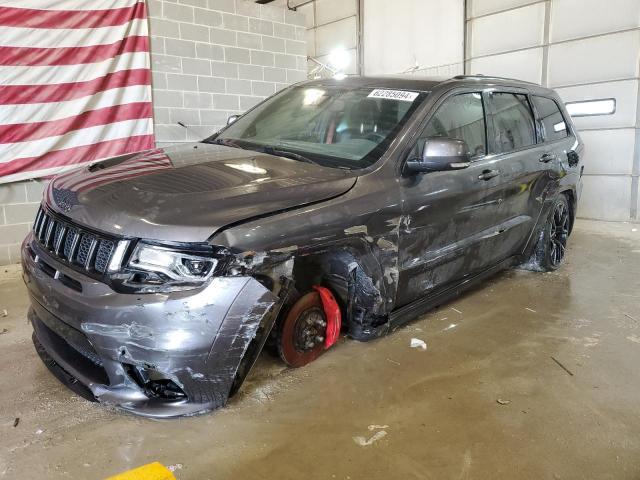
(460, 117)
(550, 121)
(513, 122)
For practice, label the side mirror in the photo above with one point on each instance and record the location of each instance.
(440, 154)
(232, 119)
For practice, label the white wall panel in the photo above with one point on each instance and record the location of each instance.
(608, 151)
(399, 34)
(597, 59)
(343, 33)
(582, 18)
(605, 197)
(511, 30)
(483, 7)
(331, 10)
(525, 65)
(625, 94)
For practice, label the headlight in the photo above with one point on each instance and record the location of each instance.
(159, 268)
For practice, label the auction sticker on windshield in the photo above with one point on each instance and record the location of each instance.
(394, 95)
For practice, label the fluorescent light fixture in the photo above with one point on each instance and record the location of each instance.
(605, 106)
(339, 59)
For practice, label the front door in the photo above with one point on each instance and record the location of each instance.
(448, 216)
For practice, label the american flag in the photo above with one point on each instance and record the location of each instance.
(75, 84)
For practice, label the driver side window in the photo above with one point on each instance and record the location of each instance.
(460, 117)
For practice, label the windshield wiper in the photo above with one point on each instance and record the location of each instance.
(287, 154)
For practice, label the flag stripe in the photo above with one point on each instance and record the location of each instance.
(33, 57)
(23, 132)
(85, 153)
(79, 138)
(42, 112)
(45, 75)
(69, 37)
(26, 94)
(36, 18)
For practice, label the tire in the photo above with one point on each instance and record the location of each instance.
(550, 250)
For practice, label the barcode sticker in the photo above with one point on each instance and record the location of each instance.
(401, 95)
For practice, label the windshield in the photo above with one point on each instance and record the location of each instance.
(332, 126)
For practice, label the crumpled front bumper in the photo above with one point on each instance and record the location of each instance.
(93, 336)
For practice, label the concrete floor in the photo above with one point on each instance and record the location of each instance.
(440, 408)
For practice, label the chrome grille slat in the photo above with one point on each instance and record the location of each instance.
(72, 243)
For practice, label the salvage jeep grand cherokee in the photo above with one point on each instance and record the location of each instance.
(336, 205)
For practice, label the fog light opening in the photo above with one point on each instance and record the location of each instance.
(155, 384)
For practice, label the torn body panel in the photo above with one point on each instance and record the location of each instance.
(126, 353)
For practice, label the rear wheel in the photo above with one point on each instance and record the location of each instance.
(552, 245)
(301, 334)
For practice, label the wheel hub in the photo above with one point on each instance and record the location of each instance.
(558, 234)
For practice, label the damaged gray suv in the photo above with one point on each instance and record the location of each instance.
(348, 205)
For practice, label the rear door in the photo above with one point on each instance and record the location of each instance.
(526, 167)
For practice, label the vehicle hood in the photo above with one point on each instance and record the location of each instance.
(186, 193)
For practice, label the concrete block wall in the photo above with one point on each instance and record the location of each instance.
(215, 58)
(209, 59)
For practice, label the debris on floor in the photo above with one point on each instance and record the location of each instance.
(377, 427)
(3, 331)
(530, 309)
(417, 343)
(503, 402)
(151, 471)
(16, 422)
(562, 366)
(363, 442)
(4, 313)
(173, 468)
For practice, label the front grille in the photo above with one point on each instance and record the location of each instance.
(73, 244)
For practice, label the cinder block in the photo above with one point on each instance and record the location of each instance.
(294, 18)
(170, 133)
(224, 5)
(249, 102)
(263, 89)
(165, 98)
(14, 233)
(196, 66)
(178, 12)
(158, 80)
(250, 72)
(226, 102)
(195, 3)
(274, 74)
(301, 34)
(161, 115)
(283, 30)
(272, 12)
(35, 189)
(222, 37)
(281, 86)
(237, 55)
(224, 69)
(285, 61)
(214, 117)
(176, 81)
(235, 22)
(180, 48)
(296, 48)
(164, 63)
(14, 252)
(20, 213)
(210, 18)
(273, 44)
(155, 8)
(4, 255)
(241, 87)
(13, 193)
(156, 44)
(263, 27)
(189, 31)
(187, 116)
(294, 76)
(164, 28)
(198, 100)
(211, 52)
(211, 84)
(248, 8)
(249, 40)
(302, 63)
(259, 57)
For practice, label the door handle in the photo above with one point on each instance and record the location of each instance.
(547, 157)
(488, 174)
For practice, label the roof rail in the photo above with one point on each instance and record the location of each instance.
(490, 77)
